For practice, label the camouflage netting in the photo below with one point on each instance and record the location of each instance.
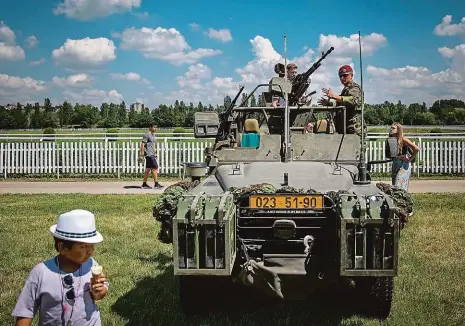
(265, 188)
(402, 199)
(334, 195)
(165, 207)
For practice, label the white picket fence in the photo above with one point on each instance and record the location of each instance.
(437, 156)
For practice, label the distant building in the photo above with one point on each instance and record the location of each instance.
(138, 107)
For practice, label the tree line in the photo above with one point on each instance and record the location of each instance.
(112, 115)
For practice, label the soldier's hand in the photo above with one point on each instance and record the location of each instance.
(323, 101)
(328, 92)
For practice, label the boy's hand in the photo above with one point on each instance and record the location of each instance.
(23, 321)
(98, 289)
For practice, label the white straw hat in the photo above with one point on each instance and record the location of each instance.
(77, 225)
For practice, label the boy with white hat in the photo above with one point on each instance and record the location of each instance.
(64, 288)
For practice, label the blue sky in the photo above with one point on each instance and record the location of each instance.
(149, 50)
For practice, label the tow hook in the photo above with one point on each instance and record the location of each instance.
(308, 247)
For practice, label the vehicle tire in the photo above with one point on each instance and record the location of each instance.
(379, 292)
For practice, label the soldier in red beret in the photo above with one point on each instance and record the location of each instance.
(351, 98)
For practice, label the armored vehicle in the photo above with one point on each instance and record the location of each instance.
(281, 208)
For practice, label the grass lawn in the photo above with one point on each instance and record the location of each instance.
(428, 291)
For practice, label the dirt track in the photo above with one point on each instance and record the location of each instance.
(130, 187)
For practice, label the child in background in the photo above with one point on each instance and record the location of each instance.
(63, 289)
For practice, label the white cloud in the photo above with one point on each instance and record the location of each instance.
(77, 80)
(37, 62)
(164, 44)
(349, 46)
(11, 52)
(223, 35)
(17, 89)
(13, 82)
(419, 84)
(7, 36)
(130, 76)
(457, 56)
(32, 41)
(193, 77)
(90, 9)
(93, 96)
(8, 48)
(195, 26)
(196, 85)
(261, 69)
(85, 53)
(445, 28)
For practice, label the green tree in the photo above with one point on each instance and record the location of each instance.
(253, 101)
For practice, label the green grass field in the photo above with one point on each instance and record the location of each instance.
(67, 135)
(428, 291)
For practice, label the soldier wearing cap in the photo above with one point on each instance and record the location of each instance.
(351, 98)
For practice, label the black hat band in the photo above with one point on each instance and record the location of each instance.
(76, 235)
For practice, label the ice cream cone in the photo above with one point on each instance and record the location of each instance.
(96, 272)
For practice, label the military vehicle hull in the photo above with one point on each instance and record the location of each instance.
(282, 209)
(286, 229)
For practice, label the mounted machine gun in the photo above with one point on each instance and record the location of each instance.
(301, 82)
(221, 127)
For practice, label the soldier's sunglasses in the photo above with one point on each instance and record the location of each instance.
(68, 283)
(343, 75)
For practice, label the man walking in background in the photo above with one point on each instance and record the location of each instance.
(148, 150)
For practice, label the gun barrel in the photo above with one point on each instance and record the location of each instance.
(317, 64)
(300, 83)
(233, 102)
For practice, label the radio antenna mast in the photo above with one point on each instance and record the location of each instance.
(362, 169)
(287, 147)
(285, 57)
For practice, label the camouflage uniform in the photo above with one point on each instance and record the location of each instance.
(352, 100)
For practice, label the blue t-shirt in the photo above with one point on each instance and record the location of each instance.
(44, 292)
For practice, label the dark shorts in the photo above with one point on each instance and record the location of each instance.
(151, 162)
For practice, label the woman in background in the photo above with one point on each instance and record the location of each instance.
(401, 165)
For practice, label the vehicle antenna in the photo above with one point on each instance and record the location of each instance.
(285, 57)
(362, 169)
(287, 154)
